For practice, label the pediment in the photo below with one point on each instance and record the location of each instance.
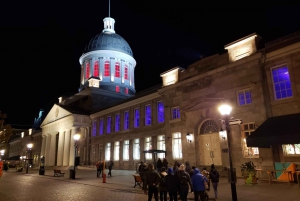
(54, 114)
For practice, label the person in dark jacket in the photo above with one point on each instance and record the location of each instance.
(214, 177)
(198, 185)
(165, 163)
(159, 165)
(172, 184)
(162, 185)
(143, 170)
(150, 185)
(188, 168)
(185, 182)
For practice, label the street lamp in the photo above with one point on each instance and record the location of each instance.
(76, 138)
(225, 112)
(29, 149)
(2, 153)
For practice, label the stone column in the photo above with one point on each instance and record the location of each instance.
(131, 161)
(66, 148)
(52, 150)
(44, 138)
(72, 150)
(121, 164)
(142, 148)
(60, 150)
(154, 142)
(47, 150)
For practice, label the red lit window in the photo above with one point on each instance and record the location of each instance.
(96, 69)
(117, 70)
(117, 89)
(126, 73)
(106, 69)
(126, 90)
(87, 70)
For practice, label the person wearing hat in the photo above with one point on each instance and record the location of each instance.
(185, 182)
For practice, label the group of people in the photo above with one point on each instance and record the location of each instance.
(100, 164)
(177, 180)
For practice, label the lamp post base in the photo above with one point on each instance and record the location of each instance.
(72, 174)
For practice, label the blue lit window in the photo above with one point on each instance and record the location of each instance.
(126, 120)
(175, 113)
(281, 82)
(148, 115)
(94, 128)
(101, 127)
(108, 129)
(244, 97)
(160, 112)
(117, 123)
(136, 117)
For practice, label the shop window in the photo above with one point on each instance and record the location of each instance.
(177, 146)
(117, 151)
(148, 146)
(161, 145)
(126, 150)
(291, 149)
(107, 151)
(136, 149)
(247, 130)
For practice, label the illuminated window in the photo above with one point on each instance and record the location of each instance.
(107, 151)
(136, 149)
(281, 82)
(175, 113)
(177, 146)
(117, 151)
(126, 150)
(87, 70)
(126, 90)
(291, 149)
(247, 130)
(96, 69)
(117, 123)
(101, 127)
(117, 88)
(108, 129)
(126, 120)
(148, 146)
(136, 117)
(106, 68)
(148, 115)
(94, 128)
(161, 145)
(160, 112)
(22, 134)
(117, 69)
(244, 97)
(126, 72)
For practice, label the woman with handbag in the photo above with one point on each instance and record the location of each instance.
(199, 182)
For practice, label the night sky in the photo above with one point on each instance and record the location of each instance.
(41, 41)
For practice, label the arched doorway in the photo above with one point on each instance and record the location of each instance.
(209, 144)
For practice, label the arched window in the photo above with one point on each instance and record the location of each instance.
(87, 70)
(96, 69)
(117, 69)
(106, 68)
(209, 126)
(126, 72)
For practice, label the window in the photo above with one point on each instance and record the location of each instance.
(117, 70)
(291, 149)
(107, 151)
(87, 70)
(136, 117)
(244, 97)
(101, 127)
(117, 123)
(148, 146)
(160, 112)
(96, 69)
(108, 125)
(126, 72)
(247, 130)
(126, 120)
(177, 148)
(126, 90)
(161, 145)
(126, 150)
(136, 149)
(148, 115)
(94, 128)
(106, 68)
(281, 82)
(175, 113)
(117, 88)
(117, 151)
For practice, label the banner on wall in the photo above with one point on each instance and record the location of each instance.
(1, 168)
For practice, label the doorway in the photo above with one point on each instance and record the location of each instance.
(209, 149)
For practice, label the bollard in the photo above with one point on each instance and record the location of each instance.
(104, 178)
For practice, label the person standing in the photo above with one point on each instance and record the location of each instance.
(165, 163)
(198, 184)
(162, 185)
(172, 184)
(214, 177)
(188, 168)
(110, 165)
(98, 168)
(185, 182)
(159, 165)
(150, 185)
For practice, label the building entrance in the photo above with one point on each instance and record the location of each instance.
(210, 150)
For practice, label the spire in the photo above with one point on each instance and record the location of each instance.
(109, 23)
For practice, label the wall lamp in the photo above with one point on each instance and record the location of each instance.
(189, 137)
(223, 134)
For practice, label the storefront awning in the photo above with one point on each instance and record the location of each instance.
(275, 131)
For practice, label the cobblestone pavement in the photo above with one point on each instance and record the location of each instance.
(86, 186)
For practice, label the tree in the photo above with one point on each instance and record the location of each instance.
(5, 130)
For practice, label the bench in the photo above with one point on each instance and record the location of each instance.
(58, 173)
(137, 180)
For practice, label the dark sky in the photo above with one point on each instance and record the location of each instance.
(41, 41)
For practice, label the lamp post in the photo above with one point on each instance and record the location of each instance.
(29, 149)
(76, 138)
(225, 112)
